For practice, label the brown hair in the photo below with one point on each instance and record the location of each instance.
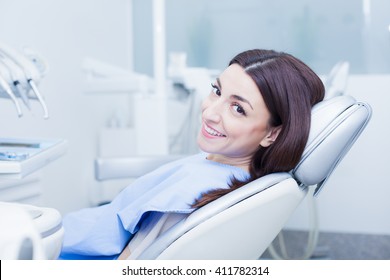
(290, 89)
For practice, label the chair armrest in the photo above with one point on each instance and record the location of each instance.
(129, 167)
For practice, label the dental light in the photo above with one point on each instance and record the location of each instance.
(19, 75)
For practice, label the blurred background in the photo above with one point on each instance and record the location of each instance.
(102, 56)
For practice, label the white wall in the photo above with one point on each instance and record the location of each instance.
(357, 196)
(64, 32)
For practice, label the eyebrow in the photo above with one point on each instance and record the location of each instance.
(219, 83)
(235, 96)
(240, 98)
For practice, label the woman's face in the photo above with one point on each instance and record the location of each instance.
(235, 120)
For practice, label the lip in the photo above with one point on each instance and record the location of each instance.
(210, 136)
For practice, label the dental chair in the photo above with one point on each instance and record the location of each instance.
(243, 223)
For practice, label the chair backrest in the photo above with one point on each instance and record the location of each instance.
(336, 125)
(241, 224)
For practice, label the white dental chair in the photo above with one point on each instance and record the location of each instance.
(243, 223)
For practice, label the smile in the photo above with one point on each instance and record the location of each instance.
(212, 132)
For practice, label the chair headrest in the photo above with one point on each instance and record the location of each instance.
(335, 125)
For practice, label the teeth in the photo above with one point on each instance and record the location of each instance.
(212, 131)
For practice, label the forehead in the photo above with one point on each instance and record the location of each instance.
(234, 80)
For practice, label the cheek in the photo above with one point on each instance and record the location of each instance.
(249, 126)
(260, 128)
(251, 133)
(259, 124)
(205, 104)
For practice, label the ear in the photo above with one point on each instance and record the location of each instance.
(271, 136)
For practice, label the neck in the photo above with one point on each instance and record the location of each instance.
(238, 162)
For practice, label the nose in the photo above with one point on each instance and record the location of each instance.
(211, 111)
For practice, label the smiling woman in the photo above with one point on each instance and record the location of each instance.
(235, 119)
(257, 115)
(255, 121)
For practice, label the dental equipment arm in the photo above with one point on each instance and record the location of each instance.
(30, 71)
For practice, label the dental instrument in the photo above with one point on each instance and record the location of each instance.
(30, 71)
(7, 89)
(15, 78)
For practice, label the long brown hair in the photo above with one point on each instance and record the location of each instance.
(290, 89)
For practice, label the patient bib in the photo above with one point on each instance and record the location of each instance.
(102, 232)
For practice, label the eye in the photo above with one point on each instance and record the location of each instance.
(215, 89)
(238, 108)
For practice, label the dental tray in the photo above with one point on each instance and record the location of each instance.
(20, 157)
